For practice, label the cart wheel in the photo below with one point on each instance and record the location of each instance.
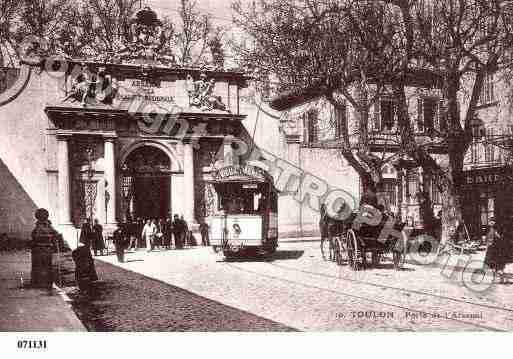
(353, 250)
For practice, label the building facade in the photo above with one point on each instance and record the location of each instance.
(133, 138)
(488, 180)
(310, 133)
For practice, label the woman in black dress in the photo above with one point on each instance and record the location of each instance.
(497, 251)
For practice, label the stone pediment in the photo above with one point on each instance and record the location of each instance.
(147, 89)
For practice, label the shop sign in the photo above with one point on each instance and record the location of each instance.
(487, 177)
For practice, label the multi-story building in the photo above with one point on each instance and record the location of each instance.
(488, 176)
(309, 139)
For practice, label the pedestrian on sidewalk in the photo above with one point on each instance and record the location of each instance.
(121, 239)
(86, 234)
(185, 232)
(43, 244)
(133, 234)
(497, 250)
(177, 232)
(98, 242)
(205, 240)
(148, 234)
(168, 232)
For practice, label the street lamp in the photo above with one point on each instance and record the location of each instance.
(89, 185)
(127, 181)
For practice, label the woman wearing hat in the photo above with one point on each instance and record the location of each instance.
(497, 250)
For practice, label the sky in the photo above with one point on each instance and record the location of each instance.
(219, 9)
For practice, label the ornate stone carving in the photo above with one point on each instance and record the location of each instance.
(211, 200)
(201, 94)
(147, 40)
(93, 88)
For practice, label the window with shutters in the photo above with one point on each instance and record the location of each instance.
(390, 191)
(340, 121)
(387, 114)
(442, 117)
(383, 117)
(312, 123)
(412, 186)
(474, 153)
(489, 147)
(487, 94)
(436, 197)
(430, 115)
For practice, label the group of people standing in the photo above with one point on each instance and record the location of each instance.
(91, 235)
(160, 233)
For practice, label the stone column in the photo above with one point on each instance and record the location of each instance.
(110, 178)
(188, 173)
(64, 180)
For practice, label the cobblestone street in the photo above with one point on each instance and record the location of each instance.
(298, 289)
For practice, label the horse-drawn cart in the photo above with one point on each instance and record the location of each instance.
(353, 238)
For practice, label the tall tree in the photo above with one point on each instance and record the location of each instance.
(340, 50)
(329, 47)
(9, 10)
(460, 42)
(192, 36)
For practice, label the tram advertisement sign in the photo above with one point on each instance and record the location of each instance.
(240, 229)
(238, 171)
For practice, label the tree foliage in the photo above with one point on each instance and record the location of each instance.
(98, 29)
(351, 49)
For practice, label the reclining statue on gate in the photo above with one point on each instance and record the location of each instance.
(201, 94)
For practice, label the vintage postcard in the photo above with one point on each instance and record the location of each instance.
(255, 166)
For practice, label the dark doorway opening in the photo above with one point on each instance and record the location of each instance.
(149, 172)
(152, 196)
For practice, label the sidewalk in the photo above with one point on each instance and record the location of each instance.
(31, 310)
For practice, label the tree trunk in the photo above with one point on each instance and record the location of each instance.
(362, 161)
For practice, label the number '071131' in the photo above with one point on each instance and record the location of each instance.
(32, 344)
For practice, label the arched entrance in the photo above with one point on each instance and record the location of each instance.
(146, 183)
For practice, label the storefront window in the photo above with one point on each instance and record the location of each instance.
(413, 184)
(486, 207)
(389, 189)
(435, 193)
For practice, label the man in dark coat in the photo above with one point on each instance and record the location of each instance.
(120, 241)
(178, 232)
(168, 232)
(205, 240)
(86, 234)
(43, 244)
(98, 242)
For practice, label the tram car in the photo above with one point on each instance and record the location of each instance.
(243, 218)
(352, 239)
